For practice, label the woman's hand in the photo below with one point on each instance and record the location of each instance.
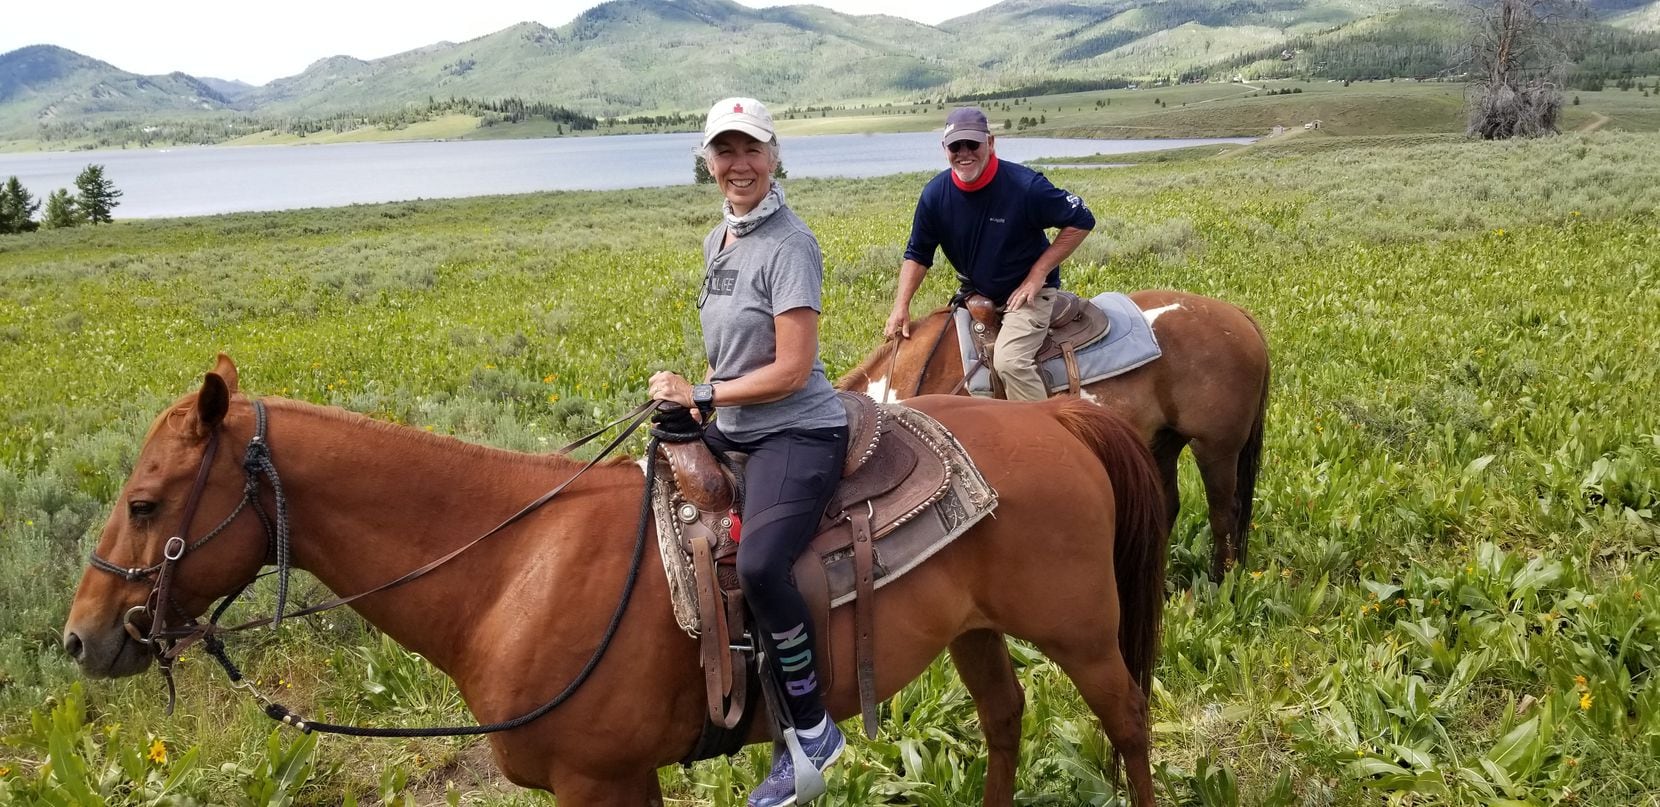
(667, 386)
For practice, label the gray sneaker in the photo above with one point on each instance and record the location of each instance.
(778, 789)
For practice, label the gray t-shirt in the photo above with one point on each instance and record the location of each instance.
(776, 268)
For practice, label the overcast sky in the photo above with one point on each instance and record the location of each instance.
(259, 41)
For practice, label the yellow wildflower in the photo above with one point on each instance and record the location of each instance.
(5, 771)
(1256, 575)
(547, 379)
(1400, 602)
(1579, 682)
(158, 752)
(1285, 573)
(1584, 701)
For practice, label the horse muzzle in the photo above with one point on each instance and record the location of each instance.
(109, 652)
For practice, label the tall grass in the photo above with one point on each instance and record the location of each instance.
(1456, 596)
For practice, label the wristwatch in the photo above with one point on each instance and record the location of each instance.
(703, 396)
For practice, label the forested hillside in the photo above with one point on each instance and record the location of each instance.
(629, 58)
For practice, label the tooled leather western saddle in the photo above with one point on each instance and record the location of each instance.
(908, 488)
(1074, 324)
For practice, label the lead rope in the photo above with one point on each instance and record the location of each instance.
(277, 711)
(256, 462)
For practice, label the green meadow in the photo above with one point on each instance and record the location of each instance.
(1453, 595)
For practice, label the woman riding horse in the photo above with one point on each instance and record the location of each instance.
(763, 280)
(517, 617)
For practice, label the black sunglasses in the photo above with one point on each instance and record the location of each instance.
(971, 145)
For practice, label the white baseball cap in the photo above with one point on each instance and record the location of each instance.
(745, 115)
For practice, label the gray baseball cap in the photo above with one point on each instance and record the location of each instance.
(966, 123)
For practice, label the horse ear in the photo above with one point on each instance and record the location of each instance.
(212, 402)
(226, 370)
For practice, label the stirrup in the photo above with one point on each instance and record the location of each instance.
(809, 780)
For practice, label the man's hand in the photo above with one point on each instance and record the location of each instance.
(898, 322)
(1027, 292)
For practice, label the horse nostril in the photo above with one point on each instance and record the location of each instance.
(72, 645)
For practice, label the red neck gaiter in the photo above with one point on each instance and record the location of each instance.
(985, 179)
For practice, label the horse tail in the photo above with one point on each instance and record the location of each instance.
(1139, 544)
(1250, 459)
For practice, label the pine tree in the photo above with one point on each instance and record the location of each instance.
(17, 208)
(60, 210)
(95, 195)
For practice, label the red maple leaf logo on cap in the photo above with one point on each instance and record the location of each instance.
(738, 108)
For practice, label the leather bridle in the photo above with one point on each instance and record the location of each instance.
(169, 643)
(163, 640)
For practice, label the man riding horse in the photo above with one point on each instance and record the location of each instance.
(990, 216)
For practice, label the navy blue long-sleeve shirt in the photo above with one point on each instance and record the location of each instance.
(993, 235)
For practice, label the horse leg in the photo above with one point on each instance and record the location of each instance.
(1219, 467)
(1167, 449)
(629, 791)
(1097, 668)
(982, 659)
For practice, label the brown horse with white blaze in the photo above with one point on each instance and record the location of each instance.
(1208, 390)
(1073, 562)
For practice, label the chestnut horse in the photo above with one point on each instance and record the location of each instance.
(513, 620)
(1208, 390)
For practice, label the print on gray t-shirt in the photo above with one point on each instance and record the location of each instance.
(776, 268)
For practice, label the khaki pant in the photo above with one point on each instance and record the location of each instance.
(1015, 357)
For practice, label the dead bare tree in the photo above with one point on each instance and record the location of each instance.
(1519, 54)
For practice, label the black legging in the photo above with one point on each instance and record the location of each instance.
(787, 484)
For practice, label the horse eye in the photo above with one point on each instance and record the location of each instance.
(139, 508)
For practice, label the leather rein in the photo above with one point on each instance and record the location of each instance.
(168, 642)
(939, 338)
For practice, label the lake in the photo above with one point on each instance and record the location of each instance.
(205, 180)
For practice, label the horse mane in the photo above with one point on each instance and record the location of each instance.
(861, 374)
(424, 439)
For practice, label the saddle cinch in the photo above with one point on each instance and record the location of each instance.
(908, 488)
(1074, 324)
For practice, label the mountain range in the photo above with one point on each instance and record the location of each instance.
(633, 56)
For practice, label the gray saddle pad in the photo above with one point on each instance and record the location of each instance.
(1129, 344)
